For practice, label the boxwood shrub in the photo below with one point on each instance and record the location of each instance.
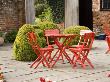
(46, 25)
(22, 50)
(10, 36)
(75, 30)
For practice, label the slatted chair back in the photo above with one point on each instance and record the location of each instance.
(88, 39)
(50, 31)
(32, 38)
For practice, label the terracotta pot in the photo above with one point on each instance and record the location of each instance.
(1, 40)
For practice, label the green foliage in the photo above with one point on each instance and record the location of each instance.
(75, 30)
(46, 25)
(40, 6)
(40, 1)
(21, 49)
(51, 10)
(46, 15)
(1, 34)
(58, 10)
(39, 32)
(37, 20)
(40, 37)
(42, 41)
(10, 36)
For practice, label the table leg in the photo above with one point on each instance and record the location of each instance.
(57, 58)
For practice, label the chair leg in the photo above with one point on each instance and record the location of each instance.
(52, 59)
(68, 58)
(62, 58)
(39, 57)
(86, 59)
(89, 63)
(56, 59)
(42, 60)
(78, 59)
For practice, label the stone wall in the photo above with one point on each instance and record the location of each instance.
(99, 17)
(11, 14)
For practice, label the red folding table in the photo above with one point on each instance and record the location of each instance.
(62, 46)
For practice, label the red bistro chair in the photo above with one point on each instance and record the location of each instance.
(106, 29)
(43, 53)
(82, 50)
(108, 42)
(50, 31)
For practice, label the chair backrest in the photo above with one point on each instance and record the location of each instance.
(106, 29)
(108, 41)
(32, 38)
(50, 31)
(88, 39)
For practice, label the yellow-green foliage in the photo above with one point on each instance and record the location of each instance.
(75, 30)
(46, 25)
(21, 49)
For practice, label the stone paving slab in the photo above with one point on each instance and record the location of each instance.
(17, 71)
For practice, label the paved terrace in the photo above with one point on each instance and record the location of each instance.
(16, 71)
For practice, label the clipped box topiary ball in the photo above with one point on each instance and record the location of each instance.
(75, 30)
(22, 50)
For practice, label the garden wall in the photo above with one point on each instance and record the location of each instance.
(12, 14)
(99, 17)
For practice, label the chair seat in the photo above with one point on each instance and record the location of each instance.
(45, 49)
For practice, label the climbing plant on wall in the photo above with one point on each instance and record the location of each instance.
(57, 7)
(46, 8)
(40, 6)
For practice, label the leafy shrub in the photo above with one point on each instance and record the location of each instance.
(75, 30)
(46, 25)
(40, 6)
(37, 20)
(46, 15)
(58, 10)
(10, 36)
(21, 49)
(42, 41)
(39, 32)
(1, 34)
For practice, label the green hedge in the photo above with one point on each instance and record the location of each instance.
(46, 25)
(10, 36)
(75, 30)
(40, 6)
(22, 50)
(58, 10)
(52, 10)
(1, 34)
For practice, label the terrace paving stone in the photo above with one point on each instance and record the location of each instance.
(17, 71)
